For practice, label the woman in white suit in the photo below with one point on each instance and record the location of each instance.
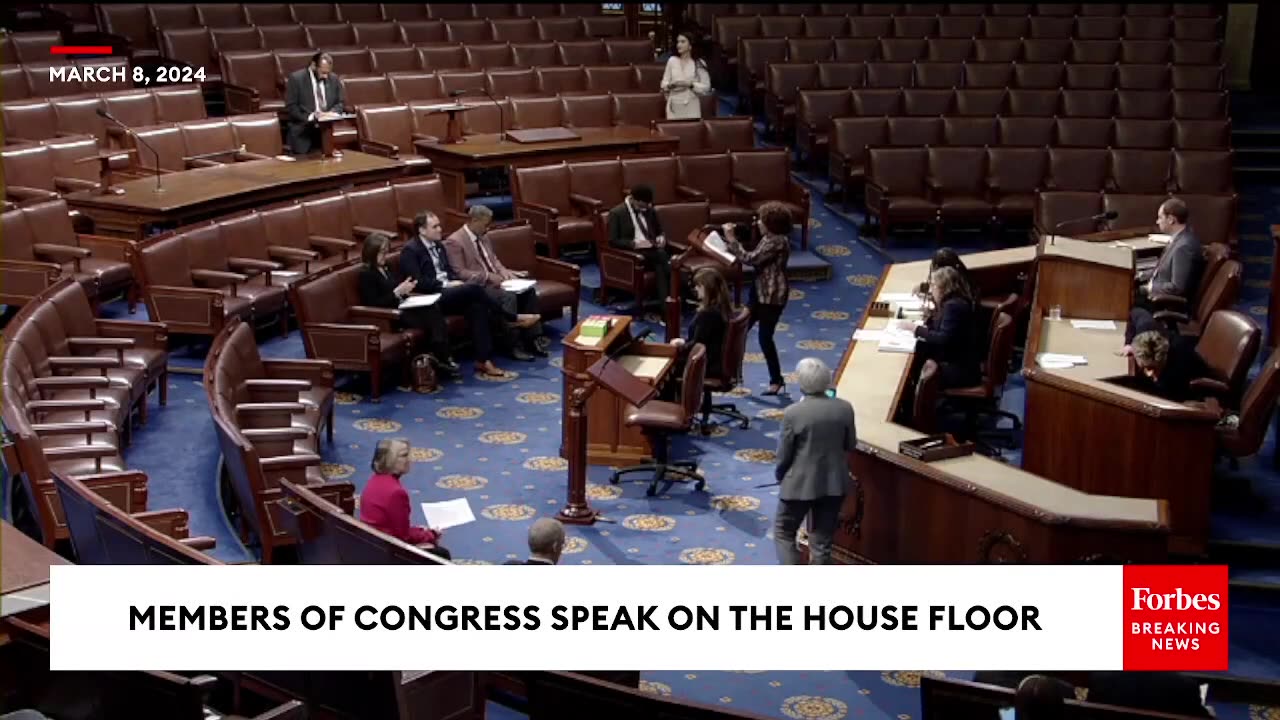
(685, 78)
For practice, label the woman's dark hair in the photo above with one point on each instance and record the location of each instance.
(373, 244)
(715, 292)
(694, 53)
(776, 219)
(1039, 698)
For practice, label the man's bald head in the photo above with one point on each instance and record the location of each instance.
(546, 539)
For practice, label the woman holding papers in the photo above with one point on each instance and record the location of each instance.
(770, 291)
(684, 79)
(384, 503)
(379, 289)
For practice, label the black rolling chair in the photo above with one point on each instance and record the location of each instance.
(735, 346)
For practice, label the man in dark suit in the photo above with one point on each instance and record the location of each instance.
(311, 94)
(633, 225)
(546, 543)
(1180, 266)
(424, 258)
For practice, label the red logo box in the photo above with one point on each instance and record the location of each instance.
(1175, 617)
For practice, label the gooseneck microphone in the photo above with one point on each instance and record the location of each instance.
(502, 121)
(102, 113)
(1108, 215)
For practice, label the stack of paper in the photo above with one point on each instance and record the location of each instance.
(414, 301)
(518, 285)
(1059, 361)
(898, 339)
(897, 297)
(1093, 324)
(1161, 239)
(717, 246)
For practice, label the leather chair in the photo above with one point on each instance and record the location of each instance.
(249, 81)
(101, 533)
(1228, 347)
(1202, 171)
(533, 54)
(1034, 103)
(410, 87)
(1053, 208)
(1086, 132)
(638, 109)
(972, 131)
(851, 137)
(856, 49)
(603, 79)
(815, 113)
(559, 283)
(587, 111)
(1026, 131)
(387, 130)
(442, 57)
(353, 337)
(957, 179)
(1077, 169)
(783, 82)
(629, 51)
(659, 419)
(988, 76)
(259, 134)
(279, 36)
(1140, 171)
(984, 398)
(924, 409)
(30, 176)
(840, 75)
(890, 75)
(40, 245)
(1256, 410)
(561, 80)
(712, 175)
(896, 190)
(735, 347)
(1132, 210)
(1014, 177)
(761, 176)
(1202, 134)
(361, 90)
(511, 83)
(728, 133)
(754, 57)
(29, 120)
(574, 52)
(692, 134)
(930, 103)
(1217, 293)
(1144, 134)
(915, 132)
(399, 58)
(542, 196)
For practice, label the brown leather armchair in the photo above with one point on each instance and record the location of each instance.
(761, 176)
(1228, 347)
(735, 347)
(558, 217)
(1256, 410)
(984, 398)
(815, 112)
(354, 337)
(896, 189)
(712, 175)
(388, 130)
(559, 283)
(849, 140)
(1218, 293)
(660, 419)
(957, 180)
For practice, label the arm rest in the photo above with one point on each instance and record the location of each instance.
(126, 490)
(589, 204)
(623, 254)
(342, 494)
(332, 244)
(106, 247)
(1169, 301)
(252, 266)
(290, 462)
(365, 312)
(423, 142)
(202, 543)
(143, 334)
(537, 207)
(691, 193)
(319, 373)
(798, 194)
(279, 433)
(269, 407)
(83, 362)
(97, 382)
(60, 253)
(69, 185)
(1211, 387)
(876, 194)
(72, 428)
(171, 523)
(404, 224)
(1171, 316)
(101, 343)
(361, 231)
(217, 278)
(262, 390)
(746, 192)
(341, 327)
(85, 405)
(21, 194)
(558, 270)
(92, 451)
(375, 147)
(292, 255)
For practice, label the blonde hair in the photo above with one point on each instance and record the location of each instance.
(384, 453)
(1151, 349)
(948, 282)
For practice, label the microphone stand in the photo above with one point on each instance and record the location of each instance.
(138, 139)
(502, 124)
(1108, 216)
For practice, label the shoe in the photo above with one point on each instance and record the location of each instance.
(526, 321)
(521, 355)
(775, 390)
(538, 349)
(446, 366)
(488, 369)
(542, 342)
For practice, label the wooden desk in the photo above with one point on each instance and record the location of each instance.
(1086, 279)
(202, 193)
(973, 508)
(452, 160)
(609, 440)
(24, 565)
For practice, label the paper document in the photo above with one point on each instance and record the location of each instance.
(717, 246)
(287, 158)
(897, 297)
(588, 340)
(898, 343)
(285, 273)
(1094, 324)
(414, 301)
(1161, 239)
(1059, 361)
(643, 366)
(447, 514)
(518, 285)
(913, 305)
(869, 335)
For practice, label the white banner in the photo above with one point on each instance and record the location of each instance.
(973, 617)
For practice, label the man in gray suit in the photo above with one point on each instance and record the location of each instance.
(1176, 273)
(813, 467)
(311, 93)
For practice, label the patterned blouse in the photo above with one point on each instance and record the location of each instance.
(769, 258)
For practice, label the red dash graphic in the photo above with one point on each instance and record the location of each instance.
(80, 50)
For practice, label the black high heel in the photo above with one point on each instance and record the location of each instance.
(776, 390)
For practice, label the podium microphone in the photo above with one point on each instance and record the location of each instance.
(502, 124)
(1108, 215)
(102, 113)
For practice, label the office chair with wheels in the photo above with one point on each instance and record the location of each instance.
(984, 398)
(735, 346)
(659, 420)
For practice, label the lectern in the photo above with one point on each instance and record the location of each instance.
(327, 123)
(104, 158)
(453, 132)
(698, 255)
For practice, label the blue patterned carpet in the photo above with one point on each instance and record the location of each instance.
(496, 444)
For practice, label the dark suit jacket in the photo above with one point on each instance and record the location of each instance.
(709, 329)
(1183, 366)
(300, 102)
(1166, 692)
(951, 338)
(1180, 266)
(622, 232)
(415, 262)
(376, 289)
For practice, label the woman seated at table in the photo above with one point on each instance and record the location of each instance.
(379, 289)
(709, 326)
(946, 257)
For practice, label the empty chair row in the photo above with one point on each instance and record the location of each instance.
(755, 53)
(201, 46)
(34, 172)
(957, 184)
(141, 24)
(206, 143)
(1214, 216)
(43, 119)
(399, 129)
(1206, 140)
(412, 86)
(704, 14)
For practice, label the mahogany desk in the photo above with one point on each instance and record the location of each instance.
(973, 508)
(1097, 436)
(24, 565)
(609, 440)
(452, 160)
(201, 193)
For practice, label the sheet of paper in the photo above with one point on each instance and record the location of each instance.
(717, 246)
(1060, 360)
(915, 304)
(869, 335)
(414, 301)
(897, 297)
(1158, 238)
(285, 273)
(587, 341)
(518, 285)
(898, 342)
(1094, 324)
(447, 514)
(643, 366)
(1054, 364)
(24, 600)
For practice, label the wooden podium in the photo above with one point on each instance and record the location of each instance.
(698, 255)
(609, 440)
(327, 144)
(104, 158)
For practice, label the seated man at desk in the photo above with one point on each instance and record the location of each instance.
(473, 258)
(633, 225)
(312, 93)
(1178, 270)
(1169, 366)
(424, 259)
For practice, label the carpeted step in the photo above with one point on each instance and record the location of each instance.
(805, 266)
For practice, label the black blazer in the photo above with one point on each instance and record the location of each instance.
(377, 289)
(951, 336)
(709, 329)
(300, 102)
(622, 232)
(415, 262)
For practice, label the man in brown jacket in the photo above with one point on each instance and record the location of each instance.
(473, 259)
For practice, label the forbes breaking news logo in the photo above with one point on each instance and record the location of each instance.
(1175, 617)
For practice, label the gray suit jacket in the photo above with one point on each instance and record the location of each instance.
(817, 435)
(1180, 266)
